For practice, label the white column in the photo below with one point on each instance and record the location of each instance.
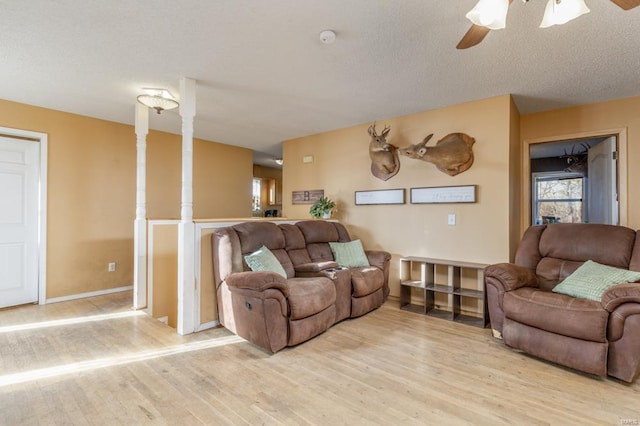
(140, 224)
(186, 228)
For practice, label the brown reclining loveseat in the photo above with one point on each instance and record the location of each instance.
(600, 337)
(273, 311)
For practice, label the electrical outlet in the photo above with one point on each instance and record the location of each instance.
(451, 219)
(112, 267)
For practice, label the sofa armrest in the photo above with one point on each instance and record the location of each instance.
(378, 258)
(315, 266)
(619, 294)
(258, 281)
(511, 276)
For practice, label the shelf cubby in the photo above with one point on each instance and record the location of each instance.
(422, 272)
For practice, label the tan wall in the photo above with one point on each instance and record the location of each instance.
(601, 117)
(221, 178)
(164, 271)
(208, 301)
(92, 184)
(341, 166)
(515, 179)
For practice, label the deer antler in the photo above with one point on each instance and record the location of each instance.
(372, 130)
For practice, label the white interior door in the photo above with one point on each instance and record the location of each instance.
(603, 183)
(19, 175)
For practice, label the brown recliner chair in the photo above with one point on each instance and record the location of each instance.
(596, 337)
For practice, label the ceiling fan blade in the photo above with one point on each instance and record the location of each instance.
(627, 4)
(474, 36)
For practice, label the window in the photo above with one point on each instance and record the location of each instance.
(558, 197)
(255, 200)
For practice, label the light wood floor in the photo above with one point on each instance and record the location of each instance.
(389, 367)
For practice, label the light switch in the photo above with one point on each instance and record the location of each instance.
(451, 220)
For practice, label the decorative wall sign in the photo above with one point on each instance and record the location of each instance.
(306, 197)
(444, 194)
(381, 196)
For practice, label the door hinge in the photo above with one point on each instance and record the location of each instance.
(614, 155)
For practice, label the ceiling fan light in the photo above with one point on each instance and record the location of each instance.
(489, 13)
(560, 12)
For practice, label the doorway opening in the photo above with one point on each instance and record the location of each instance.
(577, 178)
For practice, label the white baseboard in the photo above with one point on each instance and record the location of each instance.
(90, 294)
(207, 325)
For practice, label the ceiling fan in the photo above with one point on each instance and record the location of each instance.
(490, 15)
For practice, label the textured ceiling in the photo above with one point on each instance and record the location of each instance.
(264, 77)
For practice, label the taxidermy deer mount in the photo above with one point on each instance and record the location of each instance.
(452, 154)
(578, 162)
(385, 163)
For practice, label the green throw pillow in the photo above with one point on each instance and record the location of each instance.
(264, 260)
(349, 255)
(592, 279)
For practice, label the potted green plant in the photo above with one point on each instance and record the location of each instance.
(322, 208)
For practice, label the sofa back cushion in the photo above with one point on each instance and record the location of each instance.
(295, 244)
(254, 235)
(606, 244)
(564, 247)
(318, 234)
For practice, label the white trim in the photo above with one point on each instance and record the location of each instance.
(42, 139)
(90, 294)
(42, 287)
(186, 232)
(140, 224)
(207, 325)
(187, 288)
(140, 264)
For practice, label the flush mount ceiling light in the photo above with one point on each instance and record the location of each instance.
(158, 99)
(490, 15)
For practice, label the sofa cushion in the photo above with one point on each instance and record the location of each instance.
(592, 279)
(551, 271)
(254, 235)
(308, 296)
(366, 280)
(264, 260)
(557, 313)
(293, 237)
(318, 231)
(319, 252)
(349, 255)
(579, 242)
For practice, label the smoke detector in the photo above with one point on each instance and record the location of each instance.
(327, 36)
